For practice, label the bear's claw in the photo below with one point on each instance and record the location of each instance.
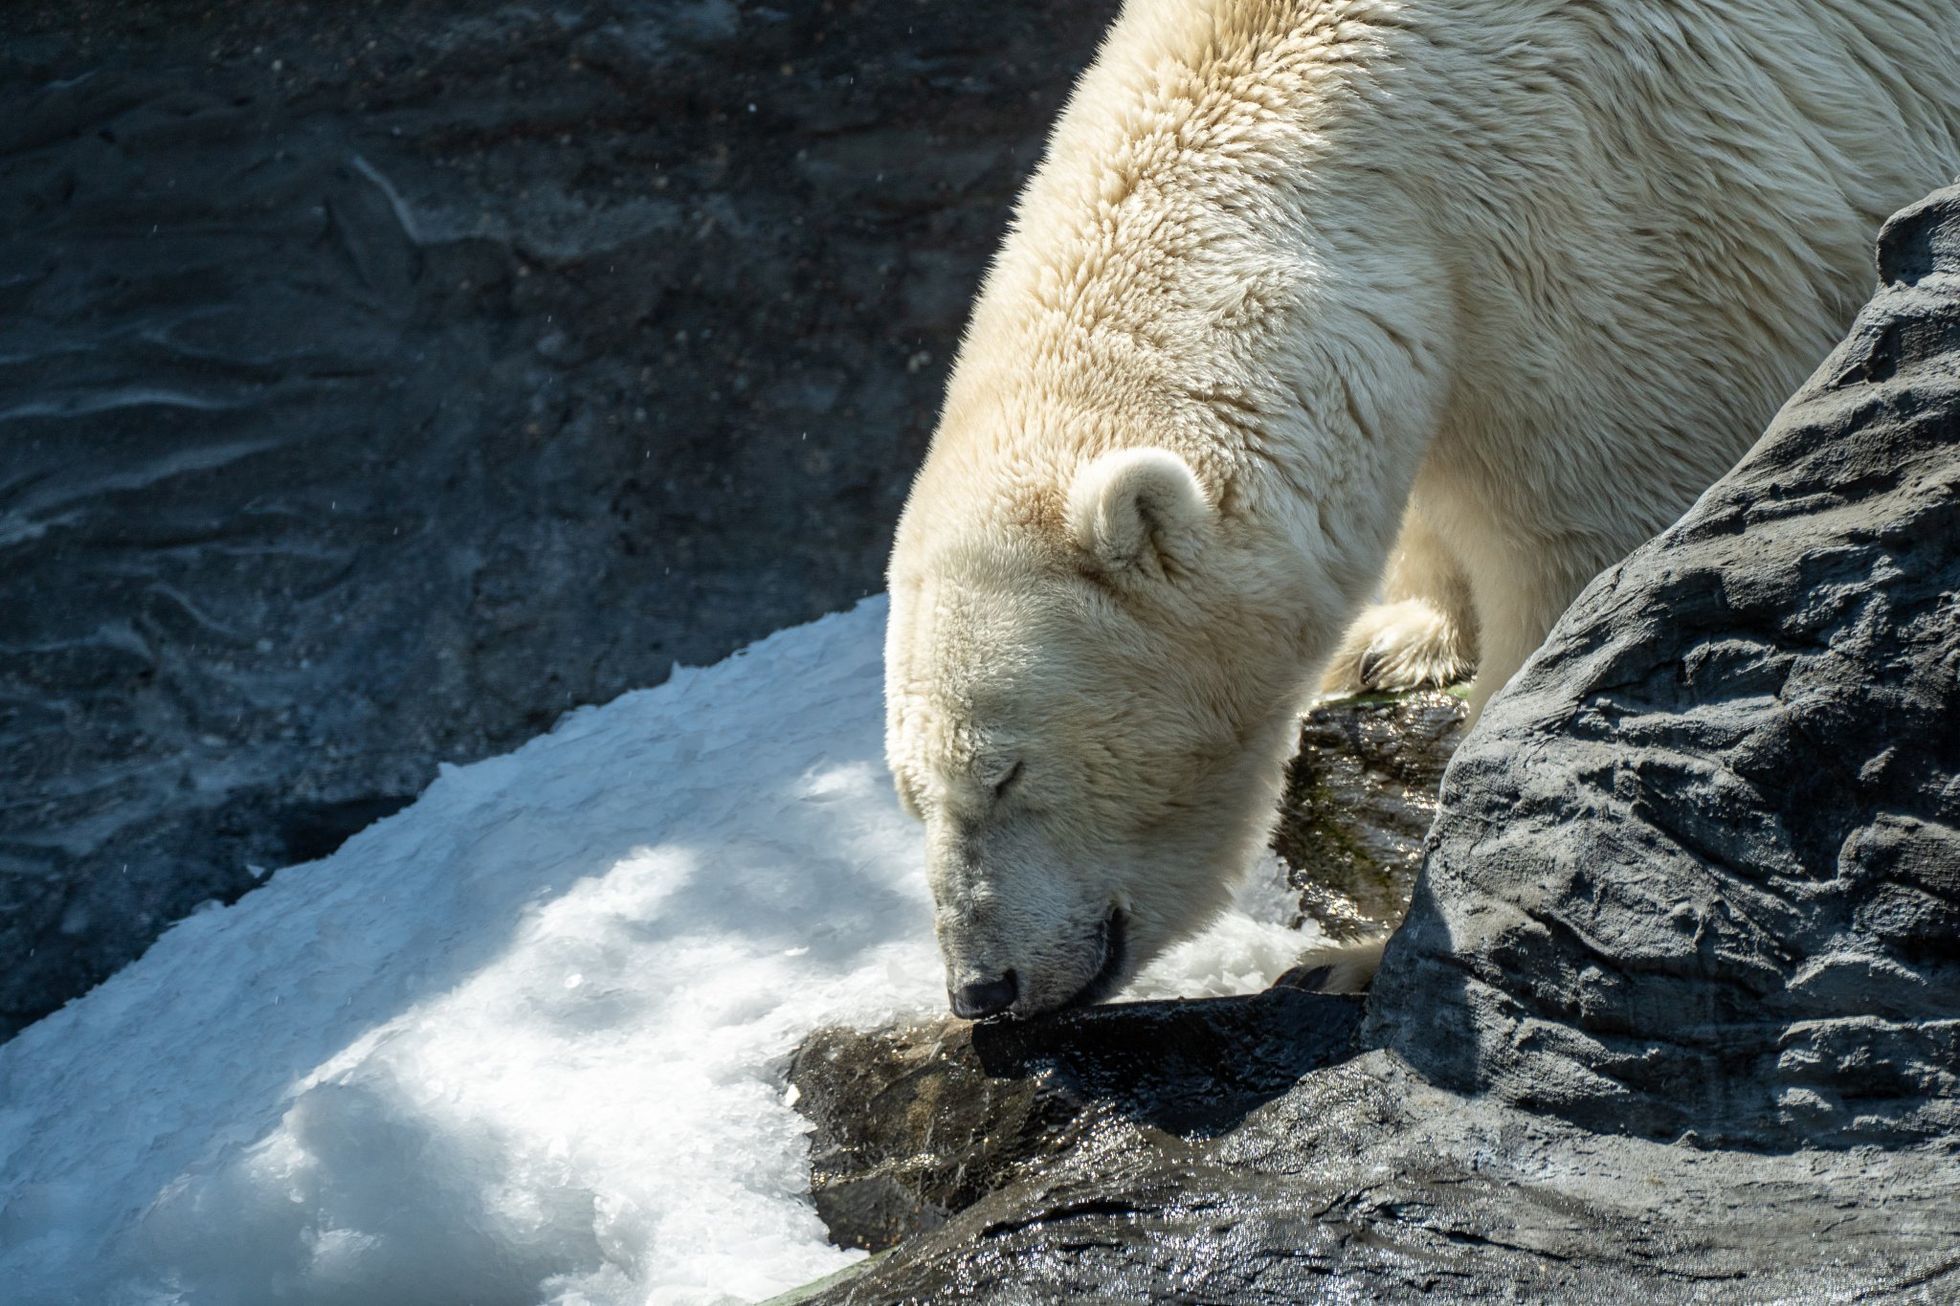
(1399, 646)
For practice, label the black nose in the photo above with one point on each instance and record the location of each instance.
(987, 998)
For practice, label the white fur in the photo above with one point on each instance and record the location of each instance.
(1138, 508)
(1503, 282)
(1341, 967)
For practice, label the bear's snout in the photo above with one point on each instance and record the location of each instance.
(985, 998)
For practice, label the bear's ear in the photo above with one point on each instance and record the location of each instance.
(1138, 509)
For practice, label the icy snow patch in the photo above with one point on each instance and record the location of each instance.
(523, 1041)
(1244, 951)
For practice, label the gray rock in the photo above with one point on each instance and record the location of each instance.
(378, 382)
(1673, 1015)
(1698, 871)
(1366, 1183)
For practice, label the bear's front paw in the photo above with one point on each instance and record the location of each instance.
(1398, 646)
(1336, 968)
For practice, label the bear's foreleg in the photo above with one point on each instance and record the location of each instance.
(1337, 967)
(1523, 584)
(1423, 633)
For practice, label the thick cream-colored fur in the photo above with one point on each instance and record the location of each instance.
(1509, 281)
(1424, 633)
(1340, 967)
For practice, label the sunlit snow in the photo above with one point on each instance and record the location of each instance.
(522, 1042)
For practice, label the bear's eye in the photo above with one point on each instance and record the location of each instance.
(1001, 785)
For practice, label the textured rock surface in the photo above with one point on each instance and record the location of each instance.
(915, 1124)
(379, 380)
(1699, 871)
(1365, 1183)
(1360, 795)
(1679, 979)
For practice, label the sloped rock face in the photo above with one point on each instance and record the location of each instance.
(1698, 871)
(914, 1125)
(1673, 1014)
(378, 381)
(1364, 1183)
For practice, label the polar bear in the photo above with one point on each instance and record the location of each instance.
(1468, 297)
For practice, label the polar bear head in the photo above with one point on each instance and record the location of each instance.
(1089, 707)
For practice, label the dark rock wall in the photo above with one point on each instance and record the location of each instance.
(1698, 870)
(1365, 1184)
(378, 381)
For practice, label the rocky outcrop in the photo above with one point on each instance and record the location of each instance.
(1673, 1015)
(379, 381)
(1699, 871)
(1366, 1183)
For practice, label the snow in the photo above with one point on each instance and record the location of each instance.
(522, 1042)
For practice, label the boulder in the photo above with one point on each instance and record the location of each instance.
(1698, 871)
(378, 382)
(1673, 1014)
(1366, 1183)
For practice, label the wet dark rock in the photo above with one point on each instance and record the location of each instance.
(915, 1124)
(1673, 1016)
(1360, 796)
(1365, 1183)
(378, 381)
